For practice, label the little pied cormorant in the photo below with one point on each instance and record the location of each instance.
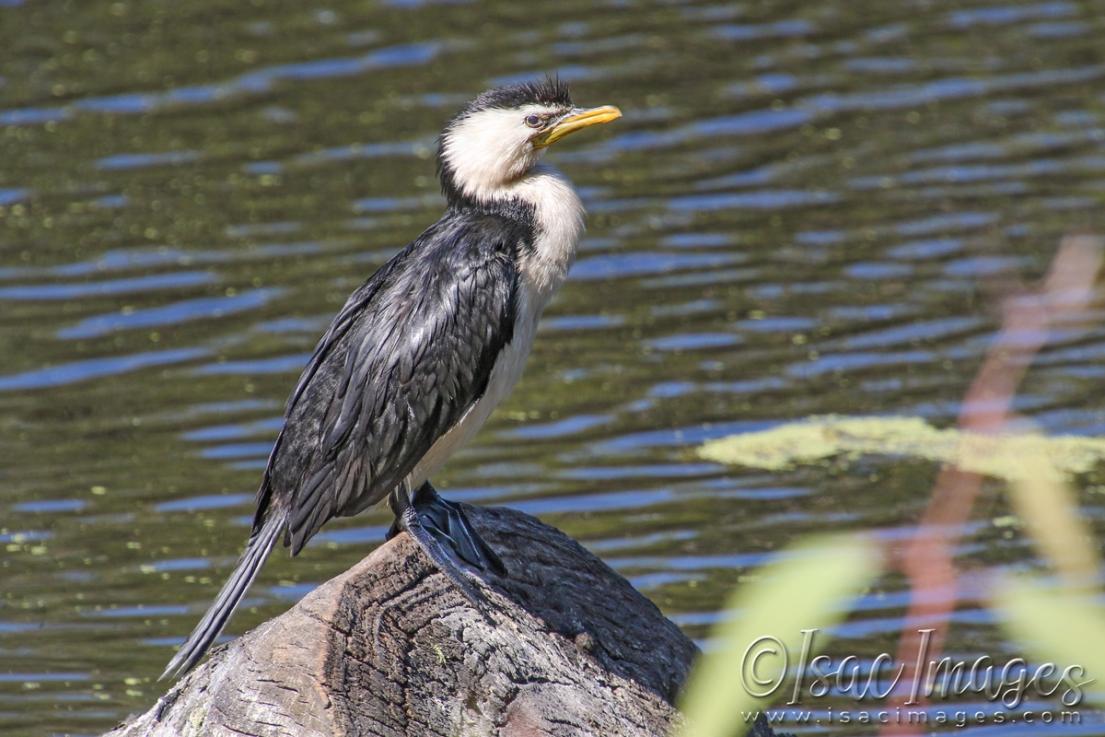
(425, 349)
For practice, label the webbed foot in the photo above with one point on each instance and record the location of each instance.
(443, 531)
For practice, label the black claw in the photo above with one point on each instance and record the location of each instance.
(442, 556)
(443, 531)
(470, 545)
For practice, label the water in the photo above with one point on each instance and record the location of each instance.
(807, 208)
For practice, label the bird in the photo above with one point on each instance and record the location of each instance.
(422, 352)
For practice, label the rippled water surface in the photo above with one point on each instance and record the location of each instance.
(808, 208)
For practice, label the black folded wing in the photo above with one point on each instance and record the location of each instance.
(408, 355)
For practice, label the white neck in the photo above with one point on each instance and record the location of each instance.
(558, 215)
(491, 159)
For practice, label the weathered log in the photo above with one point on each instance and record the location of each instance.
(390, 647)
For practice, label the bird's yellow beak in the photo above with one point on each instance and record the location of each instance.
(576, 121)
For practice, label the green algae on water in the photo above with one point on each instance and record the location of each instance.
(1009, 456)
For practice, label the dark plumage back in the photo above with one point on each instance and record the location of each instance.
(408, 355)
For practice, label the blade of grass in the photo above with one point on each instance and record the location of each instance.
(1049, 510)
(1061, 626)
(805, 589)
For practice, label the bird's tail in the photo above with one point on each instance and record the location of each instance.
(261, 543)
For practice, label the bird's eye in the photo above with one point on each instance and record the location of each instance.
(534, 121)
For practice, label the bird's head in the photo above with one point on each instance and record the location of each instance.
(500, 136)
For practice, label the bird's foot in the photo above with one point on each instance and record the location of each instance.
(443, 531)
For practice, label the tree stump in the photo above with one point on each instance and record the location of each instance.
(391, 648)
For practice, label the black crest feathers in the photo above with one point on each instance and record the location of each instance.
(548, 91)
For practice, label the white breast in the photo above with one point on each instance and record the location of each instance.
(559, 216)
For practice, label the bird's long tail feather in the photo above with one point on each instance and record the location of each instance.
(257, 551)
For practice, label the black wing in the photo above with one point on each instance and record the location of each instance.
(409, 353)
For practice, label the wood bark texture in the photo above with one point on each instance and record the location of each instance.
(390, 647)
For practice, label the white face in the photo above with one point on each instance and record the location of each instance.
(491, 149)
